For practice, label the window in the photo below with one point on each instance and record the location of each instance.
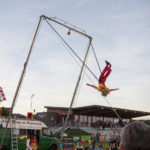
(46, 132)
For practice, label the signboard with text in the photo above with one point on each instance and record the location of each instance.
(22, 124)
(68, 143)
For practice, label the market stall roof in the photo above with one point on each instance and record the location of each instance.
(103, 111)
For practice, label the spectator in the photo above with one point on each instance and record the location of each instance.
(80, 146)
(106, 147)
(93, 140)
(113, 138)
(114, 147)
(118, 139)
(28, 143)
(97, 137)
(135, 136)
(96, 147)
(90, 147)
(101, 146)
(34, 143)
(86, 147)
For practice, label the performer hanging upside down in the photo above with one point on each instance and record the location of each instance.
(102, 79)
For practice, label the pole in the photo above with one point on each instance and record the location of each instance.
(20, 82)
(31, 100)
(76, 87)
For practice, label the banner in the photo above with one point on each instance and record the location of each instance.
(22, 124)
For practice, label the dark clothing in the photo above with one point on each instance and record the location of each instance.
(87, 148)
(93, 141)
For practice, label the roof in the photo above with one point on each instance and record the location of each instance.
(60, 108)
(104, 111)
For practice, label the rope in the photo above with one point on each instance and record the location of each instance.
(96, 58)
(78, 64)
(71, 49)
(65, 22)
(113, 109)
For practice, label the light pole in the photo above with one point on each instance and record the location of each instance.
(31, 100)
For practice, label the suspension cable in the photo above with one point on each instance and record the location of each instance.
(96, 58)
(71, 49)
(65, 22)
(77, 63)
(114, 110)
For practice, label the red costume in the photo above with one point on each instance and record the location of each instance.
(105, 73)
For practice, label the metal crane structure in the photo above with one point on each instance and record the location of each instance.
(71, 28)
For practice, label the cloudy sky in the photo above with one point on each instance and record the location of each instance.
(120, 31)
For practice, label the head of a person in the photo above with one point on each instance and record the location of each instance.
(96, 146)
(135, 136)
(104, 94)
(80, 144)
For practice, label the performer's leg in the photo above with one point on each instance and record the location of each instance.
(103, 72)
(107, 73)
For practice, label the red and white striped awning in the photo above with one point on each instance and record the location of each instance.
(2, 95)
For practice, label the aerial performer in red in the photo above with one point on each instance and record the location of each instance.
(102, 79)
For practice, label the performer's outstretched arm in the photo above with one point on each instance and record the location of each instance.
(93, 86)
(112, 89)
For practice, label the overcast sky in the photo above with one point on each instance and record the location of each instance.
(121, 34)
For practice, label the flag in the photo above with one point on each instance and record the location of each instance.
(30, 115)
(2, 95)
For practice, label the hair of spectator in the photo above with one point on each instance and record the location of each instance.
(135, 136)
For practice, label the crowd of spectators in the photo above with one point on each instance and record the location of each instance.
(107, 124)
(97, 144)
(134, 136)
